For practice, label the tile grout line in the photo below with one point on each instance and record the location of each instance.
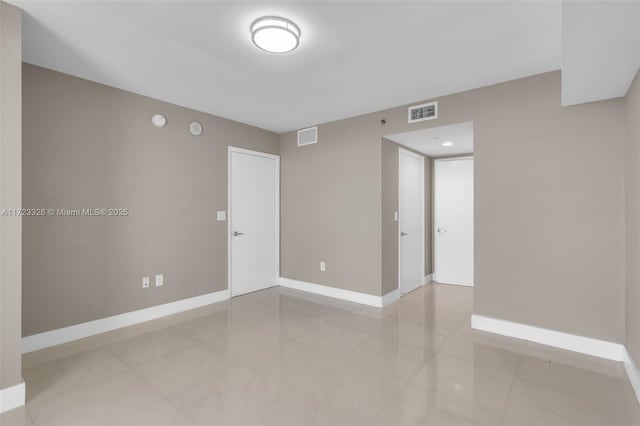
(392, 400)
(196, 342)
(30, 416)
(155, 389)
(406, 383)
(513, 382)
(83, 385)
(256, 326)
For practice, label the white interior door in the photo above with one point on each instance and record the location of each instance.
(253, 220)
(453, 221)
(411, 220)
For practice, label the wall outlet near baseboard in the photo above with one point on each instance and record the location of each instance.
(323, 266)
(159, 280)
(145, 282)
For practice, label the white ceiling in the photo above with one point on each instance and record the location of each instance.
(600, 49)
(354, 57)
(429, 141)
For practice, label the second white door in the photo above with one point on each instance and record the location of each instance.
(453, 221)
(253, 220)
(411, 220)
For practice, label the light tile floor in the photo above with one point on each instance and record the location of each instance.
(280, 357)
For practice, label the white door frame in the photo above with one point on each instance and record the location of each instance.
(433, 215)
(402, 151)
(231, 150)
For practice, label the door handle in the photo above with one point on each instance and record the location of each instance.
(236, 233)
(402, 234)
(441, 230)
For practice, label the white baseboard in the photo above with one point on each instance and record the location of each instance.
(434, 278)
(427, 279)
(336, 293)
(91, 328)
(391, 297)
(556, 339)
(632, 371)
(103, 325)
(12, 397)
(457, 284)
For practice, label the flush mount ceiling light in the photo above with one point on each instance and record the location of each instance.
(275, 34)
(447, 143)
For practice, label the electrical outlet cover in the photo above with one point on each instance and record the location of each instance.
(159, 280)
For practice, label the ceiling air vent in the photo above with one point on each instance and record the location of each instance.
(423, 112)
(307, 136)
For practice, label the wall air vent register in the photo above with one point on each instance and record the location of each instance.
(423, 112)
(307, 136)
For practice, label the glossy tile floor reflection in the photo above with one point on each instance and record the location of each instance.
(281, 357)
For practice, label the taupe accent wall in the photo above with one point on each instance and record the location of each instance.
(549, 215)
(428, 215)
(87, 145)
(389, 227)
(550, 202)
(330, 206)
(10, 195)
(633, 219)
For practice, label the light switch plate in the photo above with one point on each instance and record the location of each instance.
(159, 280)
(323, 266)
(395, 216)
(221, 216)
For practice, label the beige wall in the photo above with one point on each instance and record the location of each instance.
(428, 215)
(91, 146)
(632, 156)
(10, 194)
(330, 206)
(389, 205)
(549, 203)
(549, 210)
(549, 215)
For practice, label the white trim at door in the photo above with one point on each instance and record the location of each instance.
(231, 150)
(402, 151)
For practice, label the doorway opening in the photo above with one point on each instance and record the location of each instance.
(411, 241)
(435, 202)
(453, 220)
(253, 222)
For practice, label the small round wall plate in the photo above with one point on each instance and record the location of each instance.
(195, 128)
(158, 120)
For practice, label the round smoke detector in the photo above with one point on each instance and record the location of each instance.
(195, 128)
(158, 120)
